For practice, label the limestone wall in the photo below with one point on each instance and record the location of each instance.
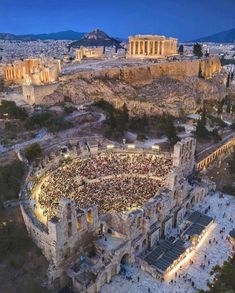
(70, 233)
(34, 94)
(145, 74)
(36, 231)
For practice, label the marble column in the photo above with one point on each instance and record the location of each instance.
(148, 48)
(139, 47)
(145, 47)
(163, 48)
(136, 47)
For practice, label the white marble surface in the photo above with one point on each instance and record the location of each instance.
(216, 253)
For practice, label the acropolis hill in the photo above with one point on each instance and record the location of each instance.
(147, 86)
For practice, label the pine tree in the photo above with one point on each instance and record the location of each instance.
(181, 49)
(197, 50)
(228, 81)
(201, 131)
(231, 163)
(1, 84)
(125, 113)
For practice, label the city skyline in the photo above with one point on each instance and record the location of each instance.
(181, 19)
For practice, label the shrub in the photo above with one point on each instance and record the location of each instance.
(33, 286)
(10, 180)
(69, 109)
(180, 128)
(48, 120)
(231, 163)
(229, 189)
(58, 124)
(14, 241)
(233, 126)
(141, 136)
(38, 120)
(8, 109)
(33, 152)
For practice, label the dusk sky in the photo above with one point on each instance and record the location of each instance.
(185, 19)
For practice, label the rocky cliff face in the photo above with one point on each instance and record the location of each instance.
(149, 89)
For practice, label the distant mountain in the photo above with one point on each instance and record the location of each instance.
(65, 35)
(6, 36)
(223, 37)
(96, 38)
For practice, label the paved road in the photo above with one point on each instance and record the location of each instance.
(41, 135)
(212, 147)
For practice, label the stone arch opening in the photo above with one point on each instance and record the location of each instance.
(114, 270)
(144, 244)
(137, 249)
(90, 217)
(158, 208)
(125, 259)
(104, 279)
(139, 222)
(192, 200)
(188, 206)
(102, 230)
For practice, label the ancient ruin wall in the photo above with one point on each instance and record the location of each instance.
(142, 75)
(34, 94)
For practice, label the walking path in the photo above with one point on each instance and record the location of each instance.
(216, 252)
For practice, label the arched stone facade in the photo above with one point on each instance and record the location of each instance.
(127, 235)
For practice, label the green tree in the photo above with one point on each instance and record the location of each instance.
(225, 278)
(8, 109)
(201, 131)
(10, 130)
(10, 180)
(231, 163)
(1, 84)
(170, 129)
(197, 50)
(228, 108)
(216, 136)
(33, 152)
(228, 81)
(220, 105)
(141, 136)
(125, 113)
(47, 119)
(181, 49)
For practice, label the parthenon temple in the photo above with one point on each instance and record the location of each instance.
(151, 46)
(33, 71)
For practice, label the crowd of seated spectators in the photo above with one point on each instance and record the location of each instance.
(114, 182)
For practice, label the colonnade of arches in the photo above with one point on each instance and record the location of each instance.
(216, 154)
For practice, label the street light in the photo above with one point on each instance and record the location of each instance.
(131, 146)
(155, 148)
(110, 146)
